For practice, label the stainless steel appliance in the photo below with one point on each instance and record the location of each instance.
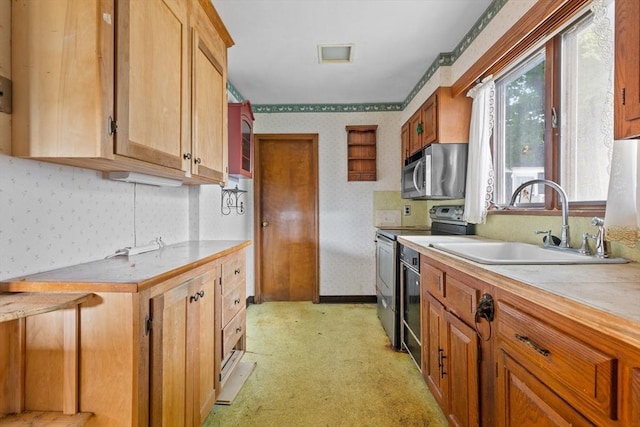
(445, 220)
(410, 278)
(437, 172)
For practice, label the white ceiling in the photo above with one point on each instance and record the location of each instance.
(275, 56)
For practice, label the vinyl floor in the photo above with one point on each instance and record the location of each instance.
(325, 365)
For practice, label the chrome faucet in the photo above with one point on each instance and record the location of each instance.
(564, 236)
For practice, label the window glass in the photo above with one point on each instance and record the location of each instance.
(581, 123)
(519, 133)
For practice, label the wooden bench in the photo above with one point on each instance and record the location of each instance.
(14, 309)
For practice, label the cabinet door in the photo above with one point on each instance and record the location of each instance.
(404, 138)
(168, 344)
(523, 401)
(461, 367)
(153, 81)
(416, 129)
(429, 120)
(433, 352)
(209, 103)
(62, 61)
(627, 69)
(201, 345)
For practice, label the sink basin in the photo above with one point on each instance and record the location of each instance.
(518, 253)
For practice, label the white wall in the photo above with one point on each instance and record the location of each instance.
(347, 249)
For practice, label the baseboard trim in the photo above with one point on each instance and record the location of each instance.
(336, 299)
(348, 299)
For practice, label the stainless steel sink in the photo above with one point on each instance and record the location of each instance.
(518, 253)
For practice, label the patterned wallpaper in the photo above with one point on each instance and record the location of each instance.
(53, 216)
(347, 251)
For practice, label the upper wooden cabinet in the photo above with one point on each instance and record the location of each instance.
(404, 138)
(627, 70)
(441, 119)
(241, 139)
(156, 104)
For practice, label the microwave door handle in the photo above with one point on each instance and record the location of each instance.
(415, 173)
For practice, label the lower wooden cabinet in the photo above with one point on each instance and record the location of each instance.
(151, 351)
(525, 401)
(451, 348)
(233, 313)
(450, 363)
(554, 371)
(182, 353)
(531, 366)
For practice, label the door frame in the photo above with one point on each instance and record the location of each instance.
(311, 138)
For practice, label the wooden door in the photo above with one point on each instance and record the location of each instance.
(153, 81)
(416, 129)
(524, 401)
(202, 345)
(209, 102)
(462, 372)
(429, 112)
(286, 199)
(168, 343)
(627, 68)
(433, 351)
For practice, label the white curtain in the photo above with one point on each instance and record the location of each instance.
(622, 217)
(479, 186)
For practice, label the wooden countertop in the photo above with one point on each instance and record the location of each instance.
(126, 274)
(605, 297)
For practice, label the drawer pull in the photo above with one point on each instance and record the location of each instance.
(533, 345)
(237, 271)
(239, 329)
(236, 301)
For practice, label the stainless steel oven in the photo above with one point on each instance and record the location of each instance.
(410, 285)
(445, 220)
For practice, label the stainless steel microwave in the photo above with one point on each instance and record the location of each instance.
(439, 172)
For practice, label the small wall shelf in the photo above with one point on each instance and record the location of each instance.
(361, 153)
(231, 200)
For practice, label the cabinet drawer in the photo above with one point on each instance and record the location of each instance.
(233, 271)
(580, 374)
(233, 332)
(455, 295)
(232, 302)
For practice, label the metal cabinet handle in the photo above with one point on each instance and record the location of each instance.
(196, 296)
(197, 160)
(187, 156)
(237, 271)
(265, 223)
(536, 347)
(239, 329)
(441, 358)
(236, 301)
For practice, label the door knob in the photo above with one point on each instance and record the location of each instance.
(265, 223)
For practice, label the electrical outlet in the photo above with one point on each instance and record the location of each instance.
(407, 210)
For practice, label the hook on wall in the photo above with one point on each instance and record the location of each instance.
(230, 200)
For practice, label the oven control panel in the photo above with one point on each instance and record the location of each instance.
(446, 213)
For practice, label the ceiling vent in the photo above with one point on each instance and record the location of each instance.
(335, 53)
